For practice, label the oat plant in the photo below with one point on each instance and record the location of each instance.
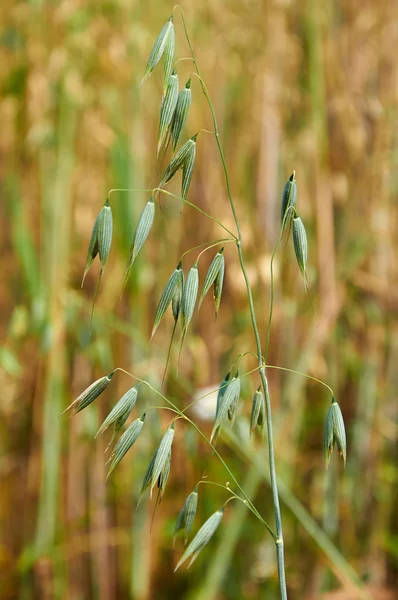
(182, 293)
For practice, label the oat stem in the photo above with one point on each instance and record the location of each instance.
(273, 480)
(181, 414)
(162, 191)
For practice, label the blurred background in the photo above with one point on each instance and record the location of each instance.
(305, 85)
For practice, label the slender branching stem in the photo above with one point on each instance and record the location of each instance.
(217, 243)
(162, 191)
(273, 479)
(180, 413)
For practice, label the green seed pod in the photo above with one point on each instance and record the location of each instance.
(168, 56)
(120, 411)
(189, 296)
(162, 455)
(105, 233)
(164, 476)
(222, 391)
(289, 199)
(229, 398)
(177, 296)
(126, 441)
(90, 394)
(300, 244)
(334, 433)
(187, 514)
(181, 113)
(184, 159)
(148, 476)
(211, 275)
(143, 228)
(92, 248)
(144, 225)
(163, 41)
(167, 109)
(258, 410)
(167, 297)
(187, 171)
(218, 286)
(234, 404)
(200, 540)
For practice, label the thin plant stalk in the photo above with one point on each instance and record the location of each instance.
(272, 468)
(181, 414)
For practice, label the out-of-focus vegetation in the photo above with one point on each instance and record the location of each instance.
(310, 86)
